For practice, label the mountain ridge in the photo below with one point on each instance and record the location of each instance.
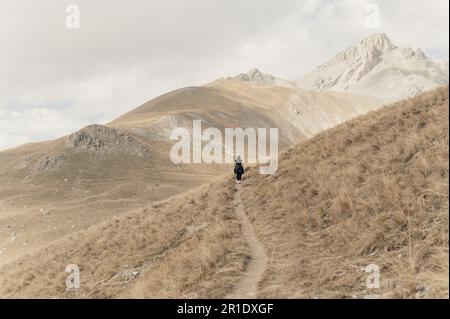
(377, 67)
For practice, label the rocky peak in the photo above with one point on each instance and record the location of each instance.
(377, 41)
(255, 75)
(376, 66)
(368, 52)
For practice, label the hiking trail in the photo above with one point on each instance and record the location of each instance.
(247, 288)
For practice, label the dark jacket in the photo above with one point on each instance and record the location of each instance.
(238, 168)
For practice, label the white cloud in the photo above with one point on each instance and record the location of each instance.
(54, 80)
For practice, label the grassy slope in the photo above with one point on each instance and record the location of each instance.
(87, 187)
(161, 243)
(373, 190)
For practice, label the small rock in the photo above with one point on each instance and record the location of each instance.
(420, 288)
(420, 291)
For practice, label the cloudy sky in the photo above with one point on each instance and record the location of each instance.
(55, 80)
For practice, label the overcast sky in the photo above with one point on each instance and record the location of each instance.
(55, 80)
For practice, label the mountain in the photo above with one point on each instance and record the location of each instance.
(298, 112)
(373, 190)
(377, 67)
(257, 77)
(64, 186)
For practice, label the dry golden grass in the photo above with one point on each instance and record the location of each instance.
(81, 186)
(173, 256)
(373, 190)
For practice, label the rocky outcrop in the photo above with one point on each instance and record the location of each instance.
(53, 161)
(256, 77)
(94, 139)
(103, 139)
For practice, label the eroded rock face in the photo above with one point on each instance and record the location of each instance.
(255, 75)
(50, 162)
(378, 68)
(95, 139)
(103, 139)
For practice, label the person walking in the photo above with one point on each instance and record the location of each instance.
(238, 169)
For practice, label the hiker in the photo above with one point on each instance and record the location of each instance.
(238, 169)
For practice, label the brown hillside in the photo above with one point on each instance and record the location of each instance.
(373, 190)
(54, 188)
(183, 247)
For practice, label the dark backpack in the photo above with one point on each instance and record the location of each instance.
(239, 169)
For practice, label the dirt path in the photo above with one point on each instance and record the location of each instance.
(247, 288)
